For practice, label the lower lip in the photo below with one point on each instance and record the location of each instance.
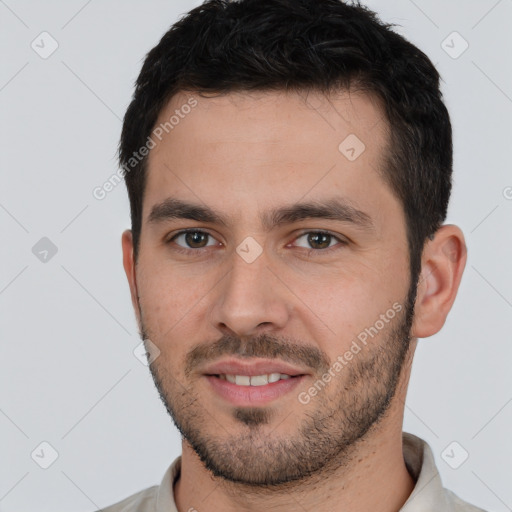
(253, 395)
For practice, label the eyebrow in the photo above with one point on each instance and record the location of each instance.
(333, 209)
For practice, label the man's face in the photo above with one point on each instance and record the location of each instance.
(260, 286)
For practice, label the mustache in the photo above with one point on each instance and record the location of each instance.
(263, 346)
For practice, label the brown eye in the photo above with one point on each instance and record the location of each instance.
(319, 240)
(193, 239)
(316, 240)
(196, 239)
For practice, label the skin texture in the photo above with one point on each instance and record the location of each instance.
(243, 155)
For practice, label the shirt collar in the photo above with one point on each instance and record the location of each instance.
(428, 493)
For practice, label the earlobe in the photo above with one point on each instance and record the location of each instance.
(443, 262)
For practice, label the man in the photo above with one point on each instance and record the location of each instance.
(288, 164)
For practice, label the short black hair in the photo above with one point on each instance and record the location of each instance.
(225, 46)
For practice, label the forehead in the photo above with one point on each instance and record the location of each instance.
(243, 150)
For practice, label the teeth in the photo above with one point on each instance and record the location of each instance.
(259, 380)
(255, 380)
(242, 380)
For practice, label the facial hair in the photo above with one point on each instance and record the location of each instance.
(337, 418)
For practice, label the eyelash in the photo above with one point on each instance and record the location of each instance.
(310, 252)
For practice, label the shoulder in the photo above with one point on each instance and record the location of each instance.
(459, 505)
(142, 501)
(152, 499)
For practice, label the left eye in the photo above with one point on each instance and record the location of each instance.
(316, 240)
(193, 239)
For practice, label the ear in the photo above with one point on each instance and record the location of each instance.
(129, 268)
(443, 262)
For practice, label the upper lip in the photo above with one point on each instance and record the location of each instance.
(252, 368)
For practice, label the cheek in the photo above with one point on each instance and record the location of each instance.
(342, 303)
(339, 309)
(170, 298)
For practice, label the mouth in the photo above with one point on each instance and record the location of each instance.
(249, 384)
(255, 380)
(252, 390)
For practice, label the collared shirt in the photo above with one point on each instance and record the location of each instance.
(428, 494)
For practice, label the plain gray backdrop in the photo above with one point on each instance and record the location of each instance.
(68, 374)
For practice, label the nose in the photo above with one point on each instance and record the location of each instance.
(250, 299)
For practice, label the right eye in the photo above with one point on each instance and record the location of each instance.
(193, 239)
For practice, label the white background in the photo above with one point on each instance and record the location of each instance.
(68, 375)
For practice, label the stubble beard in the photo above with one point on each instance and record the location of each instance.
(340, 416)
